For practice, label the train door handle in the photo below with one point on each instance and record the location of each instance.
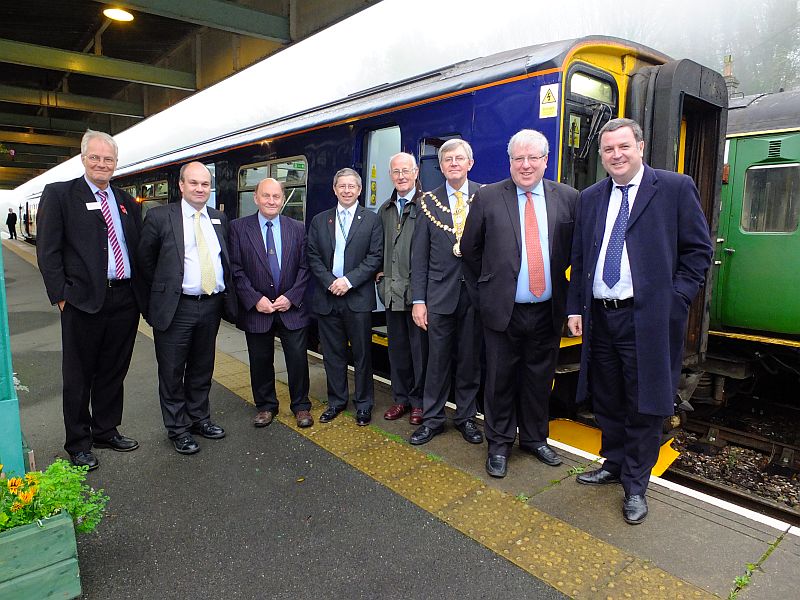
(729, 250)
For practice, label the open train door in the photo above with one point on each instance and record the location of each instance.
(682, 107)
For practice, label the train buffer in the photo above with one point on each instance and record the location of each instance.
(339, 511)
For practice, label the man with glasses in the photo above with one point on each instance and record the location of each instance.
(345, 246)
(516, 246)
(88, 231)
(442, 304)
(408, 344)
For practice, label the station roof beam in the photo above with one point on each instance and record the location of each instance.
(62, 141)
(19, 95)
(37, 122)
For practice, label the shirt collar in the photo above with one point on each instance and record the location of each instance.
(464, 189)
(351, 209)
(96, 189)
(262, 220)
(189, 210)
(637, 179)
(538, 189)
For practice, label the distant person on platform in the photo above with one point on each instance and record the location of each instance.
(184, 258)
(443, 305)
(11, 223)
(517, 244)
(641, 253)
(408, 344)
(88, 232)
(270, 272)
(345, 246)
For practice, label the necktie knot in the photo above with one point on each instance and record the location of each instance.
(402, 202)
(269, 224)
(103, 195)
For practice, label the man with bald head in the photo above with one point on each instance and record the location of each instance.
(270, 271)
(184, 258)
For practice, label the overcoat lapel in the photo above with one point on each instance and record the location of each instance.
(644, 195)
(254, 235)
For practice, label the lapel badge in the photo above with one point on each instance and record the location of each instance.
(123, 209)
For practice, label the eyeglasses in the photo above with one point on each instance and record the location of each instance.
(520, 160)
(106, 160)
(403, 172)
(460, 159)
(347, 186)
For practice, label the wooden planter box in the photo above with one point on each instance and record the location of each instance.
(40, 562)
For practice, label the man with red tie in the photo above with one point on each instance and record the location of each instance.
(270, 273)
(516, 246)
(88, 231)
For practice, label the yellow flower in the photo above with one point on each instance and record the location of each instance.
(16, 506)
(32, 477)
(14, 484)
(33, 489)
(26, 497)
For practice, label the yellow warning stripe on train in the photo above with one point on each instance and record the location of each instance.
(757, 338)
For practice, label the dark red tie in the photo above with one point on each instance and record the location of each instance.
(119, 261)
(534, 249)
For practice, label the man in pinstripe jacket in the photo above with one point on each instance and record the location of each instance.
(270, 273)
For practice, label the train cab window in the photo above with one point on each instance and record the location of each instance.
(212, 200)
(590, 102)
(430, 174)
(130, 189)
(771, 198)
(155, 193)
(292, 172)
(381, 145)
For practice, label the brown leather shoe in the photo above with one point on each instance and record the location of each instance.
(416, 416)
(395, 412)
(263, 418)
(304, 418)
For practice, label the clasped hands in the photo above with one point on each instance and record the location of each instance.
(339, 287)
(281, 304)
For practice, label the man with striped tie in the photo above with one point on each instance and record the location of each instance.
(88, 231)
(184, 258)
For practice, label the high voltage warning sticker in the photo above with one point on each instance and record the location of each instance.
(548, 101)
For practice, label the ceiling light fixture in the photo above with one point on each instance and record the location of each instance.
(117, 14)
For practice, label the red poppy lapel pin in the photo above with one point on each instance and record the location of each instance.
(123, 209)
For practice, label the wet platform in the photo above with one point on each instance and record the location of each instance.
(340, 511)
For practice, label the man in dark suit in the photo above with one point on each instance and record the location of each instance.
(184, 258)
(408, 344)
(345, 248)
(641, 253)
(88, 231)
(442, 303)
(516, 245)
(11, 223)
(270, 271)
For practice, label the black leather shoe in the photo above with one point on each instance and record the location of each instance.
(330, 414)
(424, 434)
(84, 459)
(497, 465)
(470, 432)
(546, 454)
(634, 509)
(120, 443)
(597, 477)
(185, 444)
(363, 417)
(209, 430)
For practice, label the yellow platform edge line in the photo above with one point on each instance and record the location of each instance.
(570, 560)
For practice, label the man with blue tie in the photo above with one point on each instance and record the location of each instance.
(345, 250)
(641, 253)
(516, 245)
(270, 272)
(88, 231)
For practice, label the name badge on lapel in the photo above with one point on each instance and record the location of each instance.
(92, 206)
(216, 222)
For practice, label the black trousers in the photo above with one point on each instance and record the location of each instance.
(96, 354)
(454, 348)
(408, 358)
(630, 439)
(336, 329)
(520, 365)
(261, 350)
(185, 354)
(12, 231)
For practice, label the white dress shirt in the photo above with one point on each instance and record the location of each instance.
(191, 259)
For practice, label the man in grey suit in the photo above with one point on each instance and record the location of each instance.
(184, 258)
(345, 248)
(442, 303)
(516, 246)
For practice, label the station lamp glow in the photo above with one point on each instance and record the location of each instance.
(117, 14)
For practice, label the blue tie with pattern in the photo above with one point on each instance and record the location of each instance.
(272, 257)
(616, 241)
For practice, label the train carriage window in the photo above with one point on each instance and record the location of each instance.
(292, 172)
(430, 174)
(212, 199)
(771, 200)
(155, 193)
(130, 189)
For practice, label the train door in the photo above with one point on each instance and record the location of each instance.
(761, 227)
(381, 145)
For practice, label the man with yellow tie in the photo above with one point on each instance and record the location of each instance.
(442, 303)
(184, 259)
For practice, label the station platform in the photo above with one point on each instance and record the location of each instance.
(340, 511)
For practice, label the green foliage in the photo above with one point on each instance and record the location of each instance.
(39, 495)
